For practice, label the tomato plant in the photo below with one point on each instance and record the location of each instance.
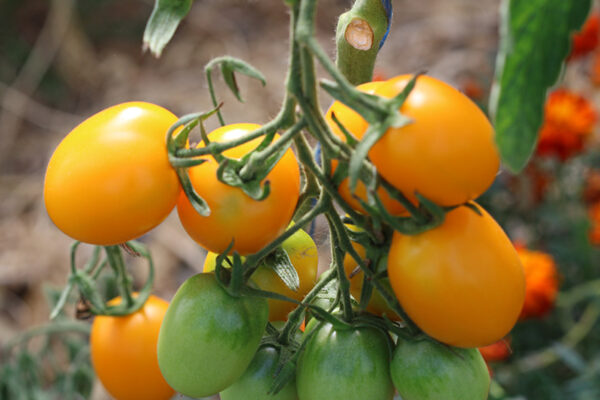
(345, 364)
(123, 351)
(302, 251)
(251, 224)
(109, 180)
(208, 337)
(462, 283)
(256, 382)
(425, 370)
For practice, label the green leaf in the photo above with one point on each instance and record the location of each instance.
(231, 65)
(166, 16)
(279, 261)
(535, 40)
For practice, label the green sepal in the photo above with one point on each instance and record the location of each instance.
(279, 261)
(534, 42)
(164, 20)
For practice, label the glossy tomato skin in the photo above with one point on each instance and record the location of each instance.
(109, 180)
(258, 378)
(303, 254)
(426, 370)
(234, 215)
(356, 125)
(462, 283)
(123, 352)
(447, 153)
(208, 338)
(351, 364)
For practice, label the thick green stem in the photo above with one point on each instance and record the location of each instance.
(359, 32)
(115, 260)
(338, 262)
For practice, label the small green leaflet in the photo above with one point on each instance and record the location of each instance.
(280, 262)
(166, 16)
(535, 40)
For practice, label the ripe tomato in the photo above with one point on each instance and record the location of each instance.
(426, 370)
(447, 153)
(208, 337)
(377, 305)
(462, 283)
(234, 215)
(303, 254)
(109, 180)
(356, 125)
(123, 351)
(258, 378)
(350, 364)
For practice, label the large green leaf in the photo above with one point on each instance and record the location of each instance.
(535, 40)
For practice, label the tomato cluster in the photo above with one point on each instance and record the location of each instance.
(459, 282)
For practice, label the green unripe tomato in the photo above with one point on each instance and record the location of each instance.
(258, 378)
(208, 338)
(349, 364)
(426, 370)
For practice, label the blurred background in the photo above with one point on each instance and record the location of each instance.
(63, 60)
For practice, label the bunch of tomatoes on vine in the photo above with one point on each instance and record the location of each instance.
(420, 274)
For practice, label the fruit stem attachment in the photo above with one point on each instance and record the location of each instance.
(360, 31)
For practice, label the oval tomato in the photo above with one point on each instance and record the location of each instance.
(123, 352)
(356, 125)
(462, 283)
(447, 153)
(426, 370)
(303, 254)
(258, 378)
(109, 180)
(350, 364)
(234, 215)
(208, 338)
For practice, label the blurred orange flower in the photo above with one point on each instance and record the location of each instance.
(594, 213)
(568, 119)
(591, 191)
(586, 39)
(541, 282)
(496, 351)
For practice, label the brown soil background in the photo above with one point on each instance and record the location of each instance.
(95, 56)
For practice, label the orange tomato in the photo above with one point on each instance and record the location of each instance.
(447, 153)
(462, 283)
(109, 180)
(251, 224)
(123, 351)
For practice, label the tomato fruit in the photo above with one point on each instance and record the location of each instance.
(109, 180)
(377, 304)
(426, 370)
(462, 283)
(303, 254)
(447, 153)
(123, 352)
(234, 215)
(258, 378)
(208, 338)
(349, 364)
(356, 125)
